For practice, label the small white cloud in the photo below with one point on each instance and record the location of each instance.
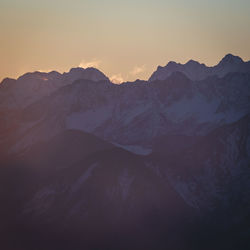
(44, 70)
(137, 70)
(88, 64)
(117, 79)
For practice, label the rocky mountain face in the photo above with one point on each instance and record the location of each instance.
(132, 115)
(212, 175)
(163, 164)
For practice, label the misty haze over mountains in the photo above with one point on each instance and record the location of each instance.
(157, 164)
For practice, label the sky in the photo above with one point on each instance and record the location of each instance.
(126, 40)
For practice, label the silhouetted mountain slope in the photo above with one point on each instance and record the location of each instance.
(62, 150)
(196, 71)
(22, 174)
(109, 193)
(32, 86)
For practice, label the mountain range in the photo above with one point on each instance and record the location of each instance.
(157, 164)
(197, 71)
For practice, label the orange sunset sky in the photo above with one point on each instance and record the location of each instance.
(124, 39)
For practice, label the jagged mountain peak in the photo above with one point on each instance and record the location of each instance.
(76, 70)
(231, 59)
(193, 63)
(6, 83)
(197, 71)
(76, 73)
(88, 73)
(171, 64)
(38, 75)
(33, 86)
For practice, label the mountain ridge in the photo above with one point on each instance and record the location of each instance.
(197, 71)
(30, 87)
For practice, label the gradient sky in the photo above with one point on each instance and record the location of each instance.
(125, 39)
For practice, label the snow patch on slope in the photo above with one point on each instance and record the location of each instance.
(196, 107)
(202, 110)
(135, 111)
